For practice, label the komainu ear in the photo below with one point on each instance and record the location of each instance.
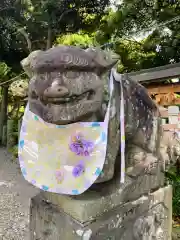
(102, 60)
(26, 62)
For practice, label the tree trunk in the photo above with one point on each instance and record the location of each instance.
(4, 109)
(49, 37)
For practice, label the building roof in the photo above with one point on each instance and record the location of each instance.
(156, 74)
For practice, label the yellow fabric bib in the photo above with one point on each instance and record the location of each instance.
(61, 159)
(65, 159)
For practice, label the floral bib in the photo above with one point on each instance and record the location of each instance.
(64, 159)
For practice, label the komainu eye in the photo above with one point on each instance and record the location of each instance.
(34, 94)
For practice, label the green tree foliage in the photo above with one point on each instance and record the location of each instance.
(65, 16)
(80, 39)
(26, 25)
(123, 25)
(4, 71)
(173, 178)
(12, 47)
(136, 15)
(133, 56)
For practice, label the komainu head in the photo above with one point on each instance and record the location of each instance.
(66, 83)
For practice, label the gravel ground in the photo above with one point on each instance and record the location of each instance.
(15, 194)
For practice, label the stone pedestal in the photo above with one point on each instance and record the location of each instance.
(95, 217)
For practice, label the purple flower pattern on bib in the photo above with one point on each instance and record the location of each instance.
(78, 169)
(59, 175)
(80, 146)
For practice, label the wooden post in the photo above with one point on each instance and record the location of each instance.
(4, 135)
(4, 106)
(19, 126)
(11, 139)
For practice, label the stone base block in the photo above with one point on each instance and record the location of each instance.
(148, 218)
(103, 197)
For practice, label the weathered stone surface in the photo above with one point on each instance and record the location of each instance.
(67, 85)
(103, 197)
(148, 218)
(170, 147)
(26, 63)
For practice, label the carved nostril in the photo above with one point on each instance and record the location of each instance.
(56, 91)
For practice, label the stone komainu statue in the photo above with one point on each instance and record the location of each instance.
(69, 85)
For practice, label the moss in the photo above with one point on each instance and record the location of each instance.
(173, 178)
(14, 151)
